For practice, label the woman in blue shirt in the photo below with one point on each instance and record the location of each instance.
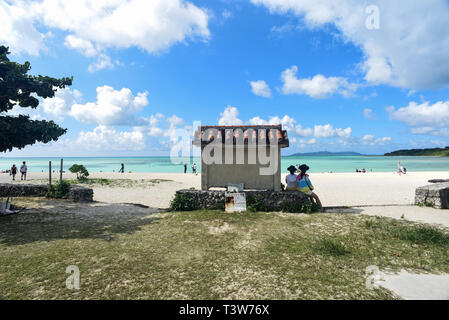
(305, 185)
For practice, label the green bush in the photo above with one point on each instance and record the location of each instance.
(183, 202)
(81, 172)
(254, 204)
(59, 191)
(297, 207)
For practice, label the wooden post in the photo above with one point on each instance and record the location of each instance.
(49, 173)
(60, 173)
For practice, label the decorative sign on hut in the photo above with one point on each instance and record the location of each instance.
(241, 154)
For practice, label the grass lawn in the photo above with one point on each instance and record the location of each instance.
(127, 252)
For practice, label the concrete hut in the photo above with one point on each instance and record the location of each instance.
(241, 154)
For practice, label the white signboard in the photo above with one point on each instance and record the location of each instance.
(235, 202)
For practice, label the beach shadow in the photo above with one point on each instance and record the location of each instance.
(347, 210)
(67, 220)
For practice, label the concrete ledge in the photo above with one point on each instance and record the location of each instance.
(76, 193)
(434, 195)
(271, 200)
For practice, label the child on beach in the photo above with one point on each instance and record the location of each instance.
(13, 172)
(305, 185)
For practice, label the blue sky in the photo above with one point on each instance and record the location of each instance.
(347, 77)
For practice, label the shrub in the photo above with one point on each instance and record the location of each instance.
(81, 172)
(297, 207)
(59, 191)
(183, 202)
(254, 204)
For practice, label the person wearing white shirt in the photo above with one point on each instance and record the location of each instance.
(292, 179)
(23, 171)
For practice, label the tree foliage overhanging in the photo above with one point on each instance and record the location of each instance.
(17, 88)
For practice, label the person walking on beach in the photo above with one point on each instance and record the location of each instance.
(400, 168)
(291, 180)
(122, 169)
(194, 169)
(23, 171)
(13, 172)
(185, 168)
(305, 185)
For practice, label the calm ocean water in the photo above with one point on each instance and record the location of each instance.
(164, 164)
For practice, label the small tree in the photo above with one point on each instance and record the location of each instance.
(17, 89)
(81, 172)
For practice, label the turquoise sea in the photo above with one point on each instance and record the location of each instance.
(165, 164)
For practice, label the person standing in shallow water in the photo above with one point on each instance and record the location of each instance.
(305, 185)
(185, 168)
(122, 169)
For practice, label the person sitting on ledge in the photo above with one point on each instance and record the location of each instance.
(292, 179)
(305, 185)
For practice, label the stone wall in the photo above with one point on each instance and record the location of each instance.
(434, 195)
(271, 200)
(76, 193)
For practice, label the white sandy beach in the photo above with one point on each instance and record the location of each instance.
(334, 189)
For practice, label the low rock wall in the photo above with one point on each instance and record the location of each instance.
(76, 193)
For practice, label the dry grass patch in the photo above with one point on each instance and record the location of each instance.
(127, 252)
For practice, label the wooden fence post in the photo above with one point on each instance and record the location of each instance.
(49, 173)
(60, 173)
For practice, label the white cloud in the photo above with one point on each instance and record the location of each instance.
(226, 14)
(150, 25)
(368, 114)
(260, 88)
(174, 120)
(408, 50)
(17, 29)
(106, 138)
(369, 139)
(424, 118)
(317, 87)
(287, 122)
(103, 62)
(308, 142)
(111, 108)
(307, 132)
(83, 46)
(328, 131)
(61, 103)
(229, 117)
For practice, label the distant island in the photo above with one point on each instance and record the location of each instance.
(435, 152)
(326, 153)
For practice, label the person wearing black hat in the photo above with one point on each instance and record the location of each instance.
(305, 185)
(292, 179)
